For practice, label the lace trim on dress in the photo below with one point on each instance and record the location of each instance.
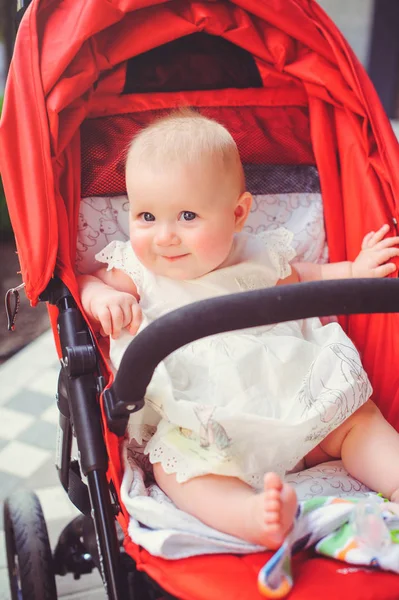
(119, 255)
(278, 243)
(184, 469)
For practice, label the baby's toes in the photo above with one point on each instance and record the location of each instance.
(272, 495)
(273, 505)
(272, 518)
(272, 511)
(272, 482)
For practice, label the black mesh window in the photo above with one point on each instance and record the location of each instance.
(195, 62)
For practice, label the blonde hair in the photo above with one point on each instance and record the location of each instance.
(185, 137)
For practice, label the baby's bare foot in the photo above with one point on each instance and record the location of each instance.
(273, 512)
(395, 496)
(393, 504)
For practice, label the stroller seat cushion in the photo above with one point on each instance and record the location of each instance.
(283, 195)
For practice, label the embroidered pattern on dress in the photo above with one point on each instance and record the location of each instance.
(334, 405)
(211, 432)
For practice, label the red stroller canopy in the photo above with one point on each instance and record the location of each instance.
(69, 68)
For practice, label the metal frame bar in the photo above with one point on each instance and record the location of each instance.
(81, 379)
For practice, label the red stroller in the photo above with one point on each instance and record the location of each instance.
(85, 76)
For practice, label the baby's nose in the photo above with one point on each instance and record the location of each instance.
(166, 236)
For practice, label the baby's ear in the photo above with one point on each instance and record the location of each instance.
(242, 209)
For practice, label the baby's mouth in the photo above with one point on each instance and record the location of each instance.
(174, 258)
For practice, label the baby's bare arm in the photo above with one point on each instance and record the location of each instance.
(110, 299)
(315, 272)
(373, 261)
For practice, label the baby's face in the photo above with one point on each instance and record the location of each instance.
(182, 220)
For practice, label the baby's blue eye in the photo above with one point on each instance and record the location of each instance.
(187, 215)
(147, 216)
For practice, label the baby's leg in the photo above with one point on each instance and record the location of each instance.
(369, 448)
(231, 506)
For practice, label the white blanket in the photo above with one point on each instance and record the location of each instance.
(164, 530)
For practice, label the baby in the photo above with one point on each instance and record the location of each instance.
(227, 416)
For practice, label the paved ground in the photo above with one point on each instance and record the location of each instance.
(28, 423)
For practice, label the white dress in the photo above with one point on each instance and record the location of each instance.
(245, 402)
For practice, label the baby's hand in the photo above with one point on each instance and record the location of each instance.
(376, 251)
(116, 310)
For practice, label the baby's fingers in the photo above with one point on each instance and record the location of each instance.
(384, 270)
(117, 321)
(131, 315)
(366, 240)
(136, 319)
(372, 238)
(382, 256)
(387, 243)
(104, 316)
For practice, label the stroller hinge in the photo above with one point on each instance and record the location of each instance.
(12, 302)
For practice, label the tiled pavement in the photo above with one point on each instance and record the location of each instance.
(28, 419)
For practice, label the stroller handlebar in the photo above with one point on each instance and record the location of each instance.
(238, 311)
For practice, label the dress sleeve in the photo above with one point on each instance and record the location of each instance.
(278, 244)
(120, 255)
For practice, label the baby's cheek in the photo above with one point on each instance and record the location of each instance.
(213, 247)
(139, 244)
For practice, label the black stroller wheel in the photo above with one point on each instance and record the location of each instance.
(29, 558)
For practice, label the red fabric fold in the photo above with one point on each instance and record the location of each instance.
(70, 59)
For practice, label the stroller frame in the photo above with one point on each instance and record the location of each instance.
(90, 540)
(78, 387)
